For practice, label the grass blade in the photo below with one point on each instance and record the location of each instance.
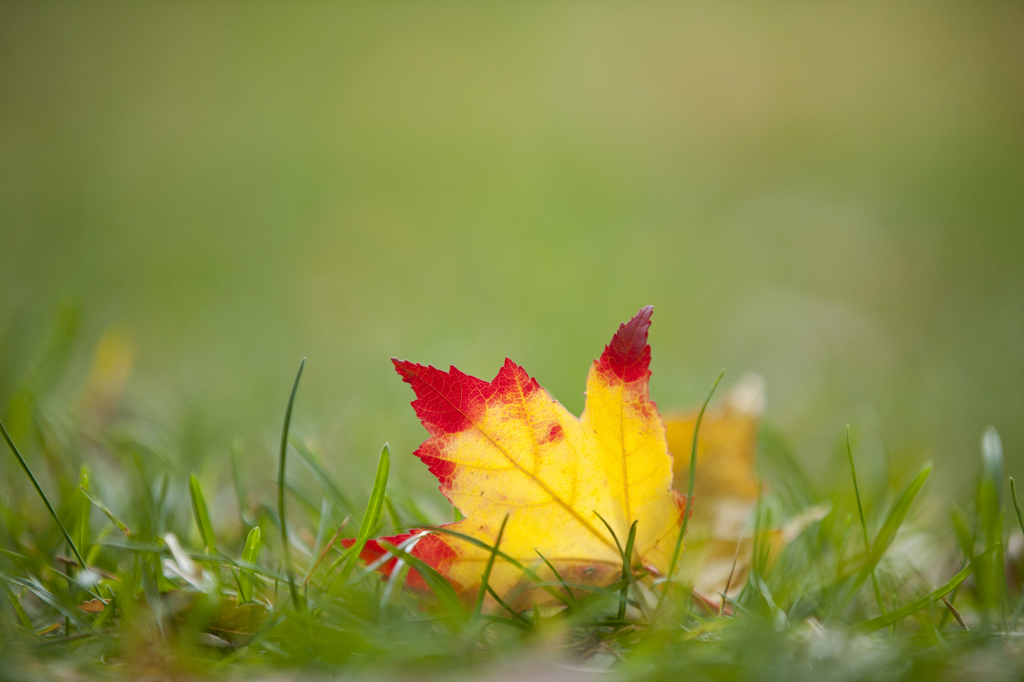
(863, 521)
(280, 489)
(236, 480)
(162, 551)
(627, 569)
(689, 497)
(776, 456)
(560, 579)
(615, 537)
(372, 515)
(323, 479)
(70, 612)
(899, 512)
(396, 522)
(202, 516)
(19, 610)
(487, 570)
(46, 501)
(627, 572)
(437, 583)
(989, 573)
(914, 606)
(82, 509)
(612, 591)
(326, 550)
(1016, 505)
(529, 573)
(103, 508)
(399, 572)
(964, 537)
(515, 614)
(891, 526)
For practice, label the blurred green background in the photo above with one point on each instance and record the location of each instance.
(829, 194)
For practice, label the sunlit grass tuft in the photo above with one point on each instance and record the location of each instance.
(167, 572)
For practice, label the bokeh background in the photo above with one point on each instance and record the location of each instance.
(828, 194)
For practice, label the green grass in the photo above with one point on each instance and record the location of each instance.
(827, 194)
(187, 575)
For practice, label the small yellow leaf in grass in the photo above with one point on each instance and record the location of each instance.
(726, 449)
(111, 366)
(726, 490)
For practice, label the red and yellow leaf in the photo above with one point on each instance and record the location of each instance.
(506, 447)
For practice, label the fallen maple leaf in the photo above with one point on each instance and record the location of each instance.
(507, 448)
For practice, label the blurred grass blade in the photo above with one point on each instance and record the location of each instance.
(611, 592)
(487, 570)
(777, 455)
(246, 577)
(856, 490)
(1016, 504)
(863, 521)
(282, 467)
(529, 573)
(914, 606)
(989, 573)
(384, 557)
(627, 569)
(779, 618)
(891, 527)
(372, 515)
(395, 581)
(236, 479)
(82, 509)
(201, 515)
(46, 501)
(19, 610)
(16, 555)
(964, 536)
(839, 561)
(326, 512)
(558, 576)
(103, 508)
(74, 614)
(396, 522)
(515, 614)
(437, 583)
(992, 460)
(325, 550)
(323, 479)
(163, 552)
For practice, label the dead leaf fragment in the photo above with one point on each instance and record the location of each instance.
(94, 605)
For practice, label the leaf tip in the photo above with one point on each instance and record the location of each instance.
(628, 356)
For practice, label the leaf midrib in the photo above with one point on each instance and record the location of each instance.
(516, 464)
